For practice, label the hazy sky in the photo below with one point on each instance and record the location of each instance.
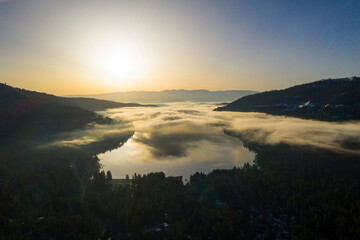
(75, 47)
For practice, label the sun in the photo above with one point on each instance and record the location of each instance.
(120, 62)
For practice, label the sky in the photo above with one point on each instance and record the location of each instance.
(87, 46)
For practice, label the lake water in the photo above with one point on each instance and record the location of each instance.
(178, 139)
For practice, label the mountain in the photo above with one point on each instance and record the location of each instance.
(82, 102)
(173, 96)
(328, 100)
(27, 114)
(95, 104)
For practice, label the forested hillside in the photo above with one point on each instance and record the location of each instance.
(291, 193)
(328, 100)
(25, 114)
(61, 192)
(9, 93)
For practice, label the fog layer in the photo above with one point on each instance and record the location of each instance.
(182, 138)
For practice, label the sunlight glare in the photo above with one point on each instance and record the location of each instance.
(121, 63)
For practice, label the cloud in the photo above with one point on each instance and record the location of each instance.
(187, 111)
(171, 118)
(94, 139)
(176, 128)
(176, 139)
(267, 129)
(180, 143)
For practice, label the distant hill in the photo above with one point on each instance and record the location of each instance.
(328, 100)
(173, 96)
(25, 114)
(82, 102)
(96, 104)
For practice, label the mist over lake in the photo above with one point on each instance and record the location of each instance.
(183, 138)
(176, 138)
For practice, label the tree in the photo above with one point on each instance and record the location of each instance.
(108, 175)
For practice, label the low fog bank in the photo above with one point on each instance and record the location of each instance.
(190, 131)
(173, 130)
(178, 139)
(94, 139)
(182, 138)
(177, 129)
(268, 129)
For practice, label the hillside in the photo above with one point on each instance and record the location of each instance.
(27, 114)
(82, 102)
(95, 104)
(328, 100)
(173, 96)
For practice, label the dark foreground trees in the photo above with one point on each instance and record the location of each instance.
(291, 194)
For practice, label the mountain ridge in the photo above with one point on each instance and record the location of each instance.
(28, 114)
(90, 104)
(328, 100)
